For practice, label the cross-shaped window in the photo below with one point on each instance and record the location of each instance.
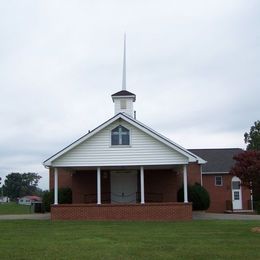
(120, 136)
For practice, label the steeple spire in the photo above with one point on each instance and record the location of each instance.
(124, 66)
(124, 99)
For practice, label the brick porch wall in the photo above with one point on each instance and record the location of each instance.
(149, 211)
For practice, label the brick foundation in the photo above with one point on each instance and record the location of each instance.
(148, 211)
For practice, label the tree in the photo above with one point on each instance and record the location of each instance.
(247, 168)
(21, 184)
(252, 139)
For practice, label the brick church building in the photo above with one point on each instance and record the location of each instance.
(123, 169)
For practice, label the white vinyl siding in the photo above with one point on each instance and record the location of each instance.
(97, 151)
(123, 104)
(127, 108)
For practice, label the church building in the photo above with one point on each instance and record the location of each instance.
(124, 170)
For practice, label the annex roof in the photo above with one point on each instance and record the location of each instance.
(218, 160)
(191, 157)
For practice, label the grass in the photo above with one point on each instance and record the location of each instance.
(13, 208)
(30, 239)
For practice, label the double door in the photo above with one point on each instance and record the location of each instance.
(123, 186)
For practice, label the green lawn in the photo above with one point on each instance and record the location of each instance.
(129, 240)
(13, 208)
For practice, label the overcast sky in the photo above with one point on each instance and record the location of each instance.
(193, 65)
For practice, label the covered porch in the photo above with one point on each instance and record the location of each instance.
(124, 193)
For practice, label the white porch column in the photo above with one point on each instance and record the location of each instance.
(142, 184)
(185, 184)
(56, 186)
(98, 186)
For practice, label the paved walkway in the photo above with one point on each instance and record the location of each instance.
(196, 216)
(223, 216)
(26, 216)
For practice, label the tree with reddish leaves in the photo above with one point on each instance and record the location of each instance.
(247, 168)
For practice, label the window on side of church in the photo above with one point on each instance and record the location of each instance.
(120, 136)
(218, 181)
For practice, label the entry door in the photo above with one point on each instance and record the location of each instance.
(236, 193)
(123, 186)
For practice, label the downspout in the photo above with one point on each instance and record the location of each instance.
(201, 180)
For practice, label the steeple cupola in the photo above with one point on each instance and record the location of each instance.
(124, 99)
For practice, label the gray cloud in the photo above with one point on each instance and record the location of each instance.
(193, 65)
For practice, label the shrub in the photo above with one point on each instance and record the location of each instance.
(47, 199)
(64, 195)
(198, 195)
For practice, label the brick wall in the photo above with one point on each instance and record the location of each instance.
(220, 194)
(84, 184)
(161, 182)
(148, 211)
(194, 175)
(64, 178)
(84, 187)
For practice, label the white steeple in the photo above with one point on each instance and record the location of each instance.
(124, 66)
(124, 99)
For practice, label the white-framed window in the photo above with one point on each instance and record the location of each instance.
(120, 136)
(218, 181)
(235, 185)
(236, 195)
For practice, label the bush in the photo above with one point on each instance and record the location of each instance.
(64, 196)
(47, 199)
(198, 195)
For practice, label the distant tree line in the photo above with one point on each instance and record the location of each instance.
(17, 185)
